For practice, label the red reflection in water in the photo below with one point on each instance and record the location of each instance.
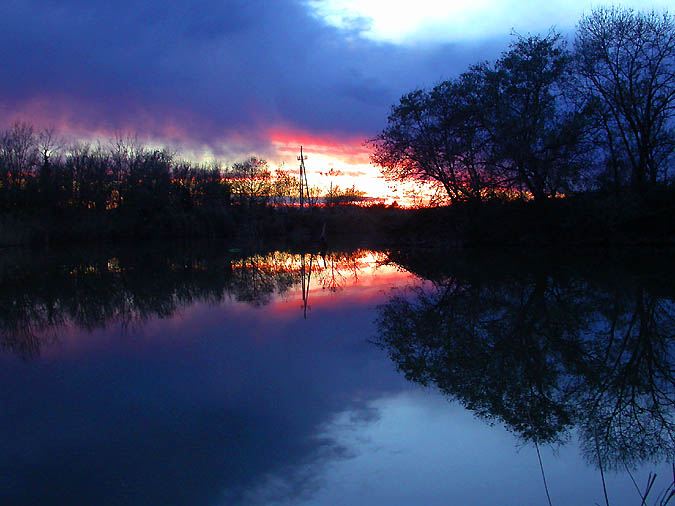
(298, 287)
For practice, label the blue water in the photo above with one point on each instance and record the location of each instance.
(218, 401)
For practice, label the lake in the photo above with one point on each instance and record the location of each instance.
(205, 375)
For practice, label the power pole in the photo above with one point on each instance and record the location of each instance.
(304, 186)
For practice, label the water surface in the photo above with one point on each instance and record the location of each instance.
(207, 376)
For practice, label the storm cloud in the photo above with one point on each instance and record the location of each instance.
(220, 74)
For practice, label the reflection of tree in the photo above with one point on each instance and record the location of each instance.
(545, 351)
(257, 278)
(40, 296)
(633, 396)
(338, 268)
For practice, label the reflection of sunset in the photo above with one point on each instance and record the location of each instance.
(357, 263)
(324, 282)
(107, 297)
(363, 273)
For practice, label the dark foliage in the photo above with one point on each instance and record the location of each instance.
(545, 344)
(543, 121)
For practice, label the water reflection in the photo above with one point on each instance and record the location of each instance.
(208, 393)
(44, 294)
(190, 376)
(545, 346)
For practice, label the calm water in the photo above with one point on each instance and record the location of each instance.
(205, 376)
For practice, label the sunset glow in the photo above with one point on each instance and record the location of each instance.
(322, 74)
(331, 161)
(322, 252)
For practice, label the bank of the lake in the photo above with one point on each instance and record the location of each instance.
(587, 219)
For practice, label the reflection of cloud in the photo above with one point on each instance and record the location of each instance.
(333, 443)
(188, 409)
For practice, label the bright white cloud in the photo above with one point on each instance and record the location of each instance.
(457, 20)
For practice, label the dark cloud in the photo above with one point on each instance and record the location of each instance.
(210, 70)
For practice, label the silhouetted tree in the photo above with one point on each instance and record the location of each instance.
(437, 136)
(19, 159)
(337, 196)
(499, 127)
(251, 181)
(535, 132)
(625, 60)
(49, 146)
(285, 187)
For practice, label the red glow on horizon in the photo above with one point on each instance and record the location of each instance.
(339, 159)
(348, 149)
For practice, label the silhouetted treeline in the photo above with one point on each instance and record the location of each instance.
(545, 121)
(550, 346)
(588, 219)
(53, 192)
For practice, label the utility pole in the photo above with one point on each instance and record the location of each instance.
(304, 186)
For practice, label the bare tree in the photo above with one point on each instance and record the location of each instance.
(433, 136)
(251, 181)
(626, 61)
(49, 146)
(18, 162)
(285, 187)
(536, 132)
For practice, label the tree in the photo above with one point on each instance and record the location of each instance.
(536, 133)
(337, 196)
(625, 60)
(496, 127)
(459, 106)
(285, 187)
(19, 158)
(251, 181)
(88, 177)
(49, 146)
(432, 136)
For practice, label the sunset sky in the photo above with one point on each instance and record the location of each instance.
(231, 78)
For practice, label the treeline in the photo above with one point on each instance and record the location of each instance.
(37, 171)
(52, 192)
(546, 120)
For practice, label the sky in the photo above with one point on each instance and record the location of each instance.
(232, 78)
